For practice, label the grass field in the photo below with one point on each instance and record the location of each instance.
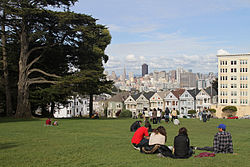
(84, 142)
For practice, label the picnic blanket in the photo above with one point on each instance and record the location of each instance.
(205, 154)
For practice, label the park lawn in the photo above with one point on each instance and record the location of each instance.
(106, 142)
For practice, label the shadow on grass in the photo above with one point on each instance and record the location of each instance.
(7, 145)
(8, 119)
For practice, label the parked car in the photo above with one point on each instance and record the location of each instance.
(233, 117)
(245, 117)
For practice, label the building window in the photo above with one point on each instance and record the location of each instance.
(233, 85)
(233, 62)
(233, 101)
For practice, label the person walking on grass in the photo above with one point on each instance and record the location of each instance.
(174, 114)
(154, 116)
(167, 112)
(141, 136)
(222, 141)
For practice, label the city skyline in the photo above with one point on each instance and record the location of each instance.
(168, 34)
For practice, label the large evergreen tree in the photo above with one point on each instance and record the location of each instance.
(49, 43)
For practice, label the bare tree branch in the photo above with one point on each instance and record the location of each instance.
(34, 61)
(43, 72)
(34, 49)
(39, 80)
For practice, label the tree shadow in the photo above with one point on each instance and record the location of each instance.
(7, 145)
(7, 119)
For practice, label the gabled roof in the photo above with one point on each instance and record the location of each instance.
(208, 90)
(120, 97)
(163, 94)
(193, 92)
(177, 93)
(136, 96)
(148, 95)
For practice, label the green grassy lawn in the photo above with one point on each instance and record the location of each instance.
(84, 142)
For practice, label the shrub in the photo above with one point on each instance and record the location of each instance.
(118, 113)
(212, 110)
(178, 112)
(126, 114)
(140, 115)
(191, 112)
(229, 109)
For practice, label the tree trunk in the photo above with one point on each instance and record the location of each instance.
(5, 71)
(23, 105)
(90, 105)
(51, 114)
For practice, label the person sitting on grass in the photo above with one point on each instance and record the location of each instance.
(135, 126)
(141, 136)
(48, 122)
(222, 142)
(55, 123)
(182, 145)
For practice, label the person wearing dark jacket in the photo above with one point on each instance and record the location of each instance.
(182, 144)
(135, 126)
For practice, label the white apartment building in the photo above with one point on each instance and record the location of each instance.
(234, 83)
(77, 106)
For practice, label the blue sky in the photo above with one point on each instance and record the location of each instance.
(168, 34)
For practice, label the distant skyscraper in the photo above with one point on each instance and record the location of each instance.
(144, 69)
(113, 75)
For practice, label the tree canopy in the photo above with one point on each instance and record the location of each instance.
(57, 53)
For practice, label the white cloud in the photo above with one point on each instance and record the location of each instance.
(222, 52)
(131, 58)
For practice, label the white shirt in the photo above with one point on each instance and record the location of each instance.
(156, 139)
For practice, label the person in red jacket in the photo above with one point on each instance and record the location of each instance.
(48, 121)
(141, 136)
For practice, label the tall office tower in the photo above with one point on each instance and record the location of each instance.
(172, 75)
(188, 80)
(162, 74)
(178, 74)
(113, 76)
(124, 75)
(131, 76)
(144, 69)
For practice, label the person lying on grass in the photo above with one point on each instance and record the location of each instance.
(141, 136)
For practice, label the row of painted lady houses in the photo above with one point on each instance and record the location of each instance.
(180, 99)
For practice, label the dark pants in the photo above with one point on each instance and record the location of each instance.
(143, 142)
(154, 120)
(159, 119)
(206, 148)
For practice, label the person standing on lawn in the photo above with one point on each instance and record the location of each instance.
(141, 136)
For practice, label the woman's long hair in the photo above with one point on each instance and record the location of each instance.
(183, 131)
(160, 130)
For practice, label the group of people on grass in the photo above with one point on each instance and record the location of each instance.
(155, 142)
(156, 115)
(50, 123)
(205, 115)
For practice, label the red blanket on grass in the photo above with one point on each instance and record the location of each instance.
(205, 154)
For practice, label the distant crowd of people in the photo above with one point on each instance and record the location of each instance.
(156, 141)
(156, 115)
